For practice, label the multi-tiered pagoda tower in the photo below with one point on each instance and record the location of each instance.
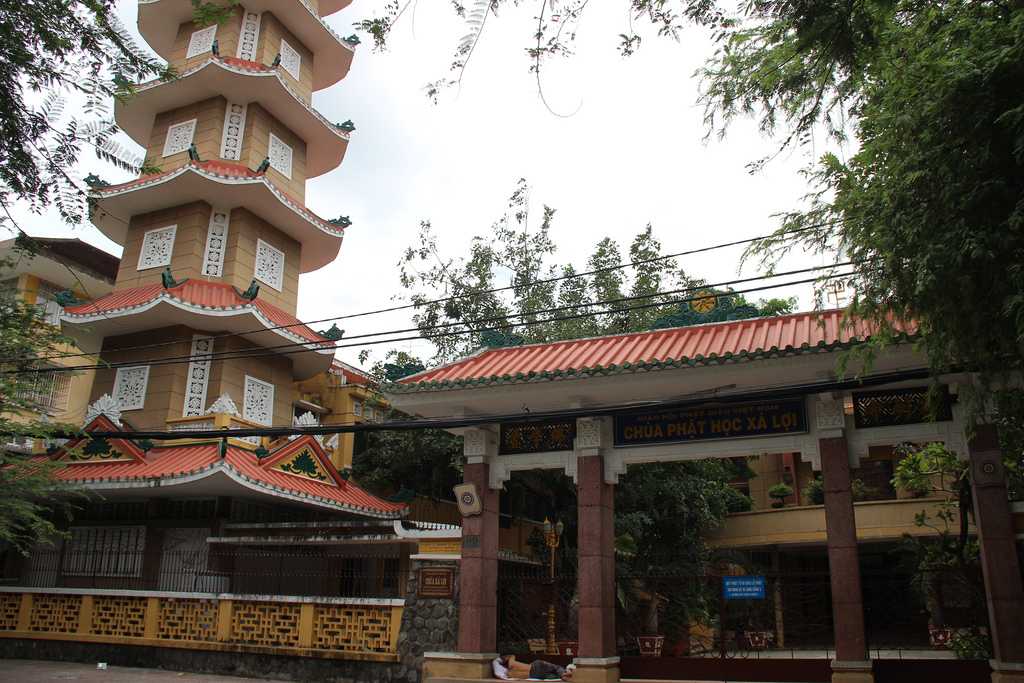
(215, 242)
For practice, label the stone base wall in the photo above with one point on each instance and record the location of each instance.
(199, 661)
(428, 624)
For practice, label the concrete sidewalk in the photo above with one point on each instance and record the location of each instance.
(32, 671)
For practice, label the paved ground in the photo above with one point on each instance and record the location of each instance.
(30, 671)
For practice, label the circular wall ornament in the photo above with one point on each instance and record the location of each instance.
(988, 467)
(704, 302)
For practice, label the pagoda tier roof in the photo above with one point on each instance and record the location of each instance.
(239, 81)
(296, 471)
(678, 347)
(222, 184)
(207, 306)
(159, 21)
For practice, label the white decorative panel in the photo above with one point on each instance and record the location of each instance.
(201, 41)
(234, 128)
(179, 137)
(130, 387)
(198, 376)
(259, 401)
(250, 37)
(291, 60)
(280, 156)
(216, 242)
(157, 247)
(269, 265)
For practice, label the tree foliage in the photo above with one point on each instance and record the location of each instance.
(34, 502)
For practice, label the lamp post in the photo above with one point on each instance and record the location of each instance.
(552, 537)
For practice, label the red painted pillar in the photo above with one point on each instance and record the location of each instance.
(478, 571)
(851, 660)
(596, 541)
(1004, 593)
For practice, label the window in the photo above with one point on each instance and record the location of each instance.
(105, 551)
(48, 391)
(269, 265)
(291, 60)
(157, 247)
(357, 408)
(201, 41)
(130, 387)
(280, 156)
(259, 401)
(179, 137)
(46, 301)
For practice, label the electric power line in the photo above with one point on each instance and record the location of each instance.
(631, 264)
(245, 354)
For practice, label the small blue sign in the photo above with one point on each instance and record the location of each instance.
(743, 587)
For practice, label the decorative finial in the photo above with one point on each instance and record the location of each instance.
(95, 182)
(223, 404)
(334, 334)
(107, 406)
(348, 126)
(66, 298)
(252, 292)
(193, 152)
(215, 48)
(341, 221)
(264, 165)
(277, 60)
(261, 452)
(352, 40)
(167, 279)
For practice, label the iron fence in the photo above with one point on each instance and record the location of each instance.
(251, 571)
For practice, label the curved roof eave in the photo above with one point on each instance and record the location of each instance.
(326, 144)
(332, 57)
(321, 241)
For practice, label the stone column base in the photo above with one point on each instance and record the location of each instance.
(458, 665)
(852, 672)
(1007, 672)
(596, 670)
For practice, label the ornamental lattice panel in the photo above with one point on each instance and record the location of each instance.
(216, 242)
(291, 60)
(157, 248)
(201, 41)
(118, 616)
(250, 36)
(259, 401)
(280, 155)
(354, 629)
(234, 129)
(198, 376)
(194, 620)
(9, 605)
(266, 624)
(130, 387)
(269, 267)
(179, 137)
(55, 613)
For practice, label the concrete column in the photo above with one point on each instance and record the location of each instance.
(1004, 593)
(851, 664)
(478, 573)
(597, 661)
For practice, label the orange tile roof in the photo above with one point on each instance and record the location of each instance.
(164, 464)
(674, 347)
(197, 293)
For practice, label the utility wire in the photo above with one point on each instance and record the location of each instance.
(534, 283)
(244, 354)
(500, 318)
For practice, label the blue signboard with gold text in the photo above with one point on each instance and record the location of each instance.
(731, 421)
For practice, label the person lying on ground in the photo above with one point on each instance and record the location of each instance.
(507, 668)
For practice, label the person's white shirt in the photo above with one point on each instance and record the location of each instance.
(500, 670)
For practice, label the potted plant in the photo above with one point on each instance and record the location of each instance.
(780, 492)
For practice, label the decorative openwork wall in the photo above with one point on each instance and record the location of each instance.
(341, 628)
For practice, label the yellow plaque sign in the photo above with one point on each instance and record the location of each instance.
(704, 302)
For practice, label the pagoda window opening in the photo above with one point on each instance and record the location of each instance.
(157, 247)
(130, 387)
(179, 137)
(280, 155)
(291, 60)
(269, 267)
(201, 41)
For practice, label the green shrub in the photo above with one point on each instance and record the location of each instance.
(780, 492)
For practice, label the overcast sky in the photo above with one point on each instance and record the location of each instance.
(627, 150)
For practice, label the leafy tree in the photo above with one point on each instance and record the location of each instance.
(34, 502)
